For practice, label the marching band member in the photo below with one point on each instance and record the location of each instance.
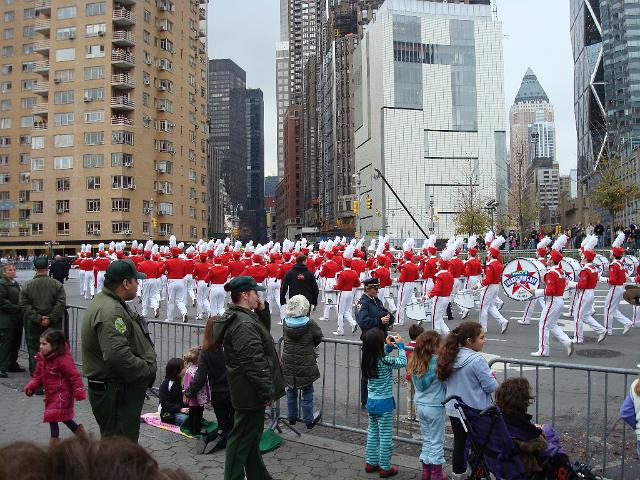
(555, 284)
(429, 265)
(472, 267)
(257, 270)
(189, 283)
(200, 274)
(87, 267)
(491, 282)
(77, 262)
(152, 268)
(456, 267)
(328, 273)
(217, 276)
(440, 294)
(235, 264)
(346, 281)
(100, 265)
(616, 280)
(585, 288)
(274, 278)
(383, 275)
(176, 268)
(541, 250)
(408, 275)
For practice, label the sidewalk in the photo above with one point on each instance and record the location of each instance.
(303, 458)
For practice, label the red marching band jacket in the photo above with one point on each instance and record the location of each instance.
(492, 272)
(409, 272)
(442, 284)
(200, 271)
(588, 278)
(218, 274)
(383, 275)
(555, 282)
(347, 280)
(472, 267)
(456, 267)
(617, 273)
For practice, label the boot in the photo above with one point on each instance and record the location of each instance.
(389, 473)
(437, 473)
(81, 433)
(426, 471)
(53, 441)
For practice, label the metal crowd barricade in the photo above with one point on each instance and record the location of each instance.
(605, 389)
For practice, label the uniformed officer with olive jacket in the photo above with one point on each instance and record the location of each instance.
(118, 357)
(43, 301)
(10, 321)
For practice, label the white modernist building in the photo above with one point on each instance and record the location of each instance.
(429, 115)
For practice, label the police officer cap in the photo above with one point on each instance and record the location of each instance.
(122, 270)
(243, 284)
(371, 282)
(41, 262)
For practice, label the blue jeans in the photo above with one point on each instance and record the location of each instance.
(432, 426)
(179, 418)
(307, 403)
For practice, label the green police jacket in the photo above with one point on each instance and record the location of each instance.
(42, 296)
(253, 367)
(115, 343)
(10, 312)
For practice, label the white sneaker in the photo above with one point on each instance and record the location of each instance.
(323, 319)
(339, 334)
(538, 354)
(626, 329)
(570, 349)
(354, 327)
(522, 322)
(601, 337)
(465, 314)
(505, 327)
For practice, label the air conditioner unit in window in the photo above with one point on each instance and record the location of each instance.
(128, 163)
(131, 187)
(59, 210)
(127, 232)
(160, 212)
(87, 98)
(162, 169)
(72, 36)
(147, 81)
(56, 80)
(96, 232)
(162, 108)
(162, 87)
(161, 191)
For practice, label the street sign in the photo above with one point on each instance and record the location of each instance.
(372, 233)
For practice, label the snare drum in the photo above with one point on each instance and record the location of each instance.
(630, 264)
(392, 290)
(416, 311)
(465, 299)
(520, 273)
(571, 268)
(602, 264)
(331, 297)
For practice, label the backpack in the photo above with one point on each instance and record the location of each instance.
(628, 411)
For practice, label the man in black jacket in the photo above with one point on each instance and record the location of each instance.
(299, 281)
(59, 269)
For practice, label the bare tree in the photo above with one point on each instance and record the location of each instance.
(471, 218)
(523, 206)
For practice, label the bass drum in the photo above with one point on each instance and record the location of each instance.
(602, 264)
(520, 273)
(571, 268)
(630, 264)
(416, 311)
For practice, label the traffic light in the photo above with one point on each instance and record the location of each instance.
(154, 222)
(369, 203)
(235, 231)
(355, 207)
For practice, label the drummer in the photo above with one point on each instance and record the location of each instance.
(328, 273)
(617, 278)
(542, 250)
(383, 275)
(456, 267)
(493, 274)
(440, 294)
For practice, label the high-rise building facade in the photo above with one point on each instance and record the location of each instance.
(606, 48)
(429, 114)
(255, 217)
(282, 98)
(99, 139)
(227, 127)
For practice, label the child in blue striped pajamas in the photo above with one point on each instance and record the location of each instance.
(377, 368)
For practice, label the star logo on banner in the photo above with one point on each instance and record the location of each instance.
(519, 272)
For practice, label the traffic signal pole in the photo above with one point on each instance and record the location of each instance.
(401, 202)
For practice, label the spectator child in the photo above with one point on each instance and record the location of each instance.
(630, 410)
(172, 408)
(415, 331)
(299, 366)
(468, 376)
(196, 402)
(430, 392)
(377, 367)
(212, 369)
(56, 372)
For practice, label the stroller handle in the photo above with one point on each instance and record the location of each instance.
(490, 410)
(452, 397)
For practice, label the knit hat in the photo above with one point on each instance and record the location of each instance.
(297, 306)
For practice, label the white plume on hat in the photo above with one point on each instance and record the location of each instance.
(134, 244)
(408, 244)
(173, 241)
(101, 247)
(353, 242)
(498, 242)
(343, 241)
(380, 249)
(191, 250)
(348, 252)
(119, 246)
(181, 245)
(560, 243)
(297, 246)
(303, 243)
(112, 245)
(590, 242)
(544, 242)
(448, 253)
(261, 250)
(220, 250)
(617, 243)
(88, 248)
(310, 247)
(155, 249)
(329, 245)
(203, 248)
(488, 237)
(372, 245)
(237, 246)
(387, 237)
(148, 246)
(473, 241)
(276, 248)
(227, 241)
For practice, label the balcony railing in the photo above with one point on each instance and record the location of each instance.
(123, 38)
(42, 47)
(41, 67)
(41, 88)
(122, 16)
(43, 26)
(121, 120)
(120, 80)
(40, 127)
(123, 59)
(43, 6)
(123, 103)
(40, 108)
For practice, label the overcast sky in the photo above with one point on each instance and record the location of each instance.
(536, 36)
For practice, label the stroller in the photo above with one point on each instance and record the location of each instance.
(492, 453)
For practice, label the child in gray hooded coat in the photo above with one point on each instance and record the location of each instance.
(299, 366)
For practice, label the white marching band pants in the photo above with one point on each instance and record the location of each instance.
(488, 306)
(582, 314)
(150, 295)
(216, 299)
(273, 297)
(549, 324)
(81, 279)
(345, 307)
(100, 281)
(438, 309)
(89, 288)
(328, 285)
(202, 299)
(405, 295)
(531, 306)
(612, 308)
(176, 293)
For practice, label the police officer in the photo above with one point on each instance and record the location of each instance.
(118, 357)
(10, 321)
(370, 313)
(43, 301)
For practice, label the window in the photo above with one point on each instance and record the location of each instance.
(29, 31)
(28, 67)
(93, 160)
(122, 181)
(4, 160)
(63, 140)
(163, 187)
(165, 85)
(37, 207)
(119, 159)
(37, 229)
(147, 16)
(94, 51)
(63, 97)
(9, 16)
(6, 69)
(95, 116)
(95, 29)
(62, 206)
(193, 176)
(93, 205)
(145, 228)
(94, 138)
(65, 33)
(62, 119)
(93, 9)
(37, 185)
(5, 87)
(120, 204)
(8, 34)
(24, 196)
(62, 228)
(62, 163)
(166, 229)
(27, 84)
(165, 166)
(5, 195)
(5, 123)
(145, 98)
(65, 54)
(29, 13)
(8, 50)
(94, 73)
(192, 212)
(165, 64)
(93, 228)
(165, 208)
(27, 102)
(120, 227)
(64, 13)
(122, 138)
(25, 177)
(64, 76)
(25, 158)
(5, 105)
(93, 94)
(146, 36)
(26, 122)
(165, 25)
(37, 143)
(24, 214)
(37, 163)
(93, 183)
(63, 184)
(164, 146)
(166, 44)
